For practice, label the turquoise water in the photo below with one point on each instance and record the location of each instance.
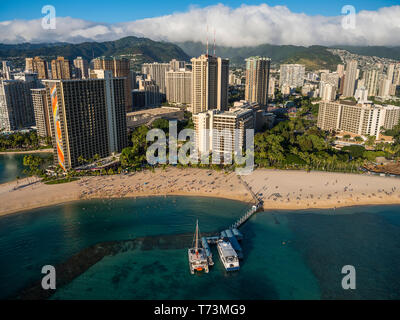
(50, 235)
(11, 166)
(288, 255)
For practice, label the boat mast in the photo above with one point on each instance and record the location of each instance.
(197, 235)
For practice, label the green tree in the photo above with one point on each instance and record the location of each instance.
(162, 124)
(135, 156)
(370, 141)
(34, 165)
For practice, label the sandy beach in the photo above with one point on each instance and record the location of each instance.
(279, 189)
(27, 151)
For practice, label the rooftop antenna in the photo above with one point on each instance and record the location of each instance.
(207, 40)
(214, 43)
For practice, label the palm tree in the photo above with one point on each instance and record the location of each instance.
(370, 141)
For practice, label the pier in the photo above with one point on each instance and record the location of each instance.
(232, 235)
(258, 206)
(245, 217)
(206, 247)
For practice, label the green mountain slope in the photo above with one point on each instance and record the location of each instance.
(382, 52)
(146, 50)
(314, 57)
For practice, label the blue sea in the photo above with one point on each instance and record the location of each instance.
(11, 166)
(287, 254)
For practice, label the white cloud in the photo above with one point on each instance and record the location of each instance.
(243, 26)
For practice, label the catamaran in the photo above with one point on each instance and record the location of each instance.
(228, 255)
(197, 255)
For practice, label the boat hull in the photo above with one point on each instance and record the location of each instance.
(197, 263)
(232, 269)
(231, 262)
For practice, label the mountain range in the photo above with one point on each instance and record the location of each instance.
(142, 49)
(314, 57)
(146, 50)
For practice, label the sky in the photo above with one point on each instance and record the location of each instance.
(128, 10)
(236, 22)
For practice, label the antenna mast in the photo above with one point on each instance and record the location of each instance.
(214, 42)
(207, 40)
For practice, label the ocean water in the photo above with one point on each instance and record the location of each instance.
(11, 166)
(287, 254)
(29, 240)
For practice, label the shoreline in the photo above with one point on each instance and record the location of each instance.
(142, 196)
(27, 151)
(279, 189)
(289, 208)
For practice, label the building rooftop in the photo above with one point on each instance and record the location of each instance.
(233, 112)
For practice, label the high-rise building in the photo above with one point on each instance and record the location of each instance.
(81, 67)
(60, 68)
(151, 93)
(393, 90)
(361, 118)
(87, 117)
(157, 71)
(119, 68)
(37, 65)
(392, 76)
(6, 70)
(271, 87)
(327, 91)
(396, 75)
(222, 83)
(384, 88)
(371, 81)
(215, 130)
(138, 99)
(41, 110)
(340, 70)
(29, 64)
(132, 80)
(179, 86)
(390, 72)
(210, 77)
(292, 75)
(350, 79)
(257, 79)
(176, 65)
(16, 106)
